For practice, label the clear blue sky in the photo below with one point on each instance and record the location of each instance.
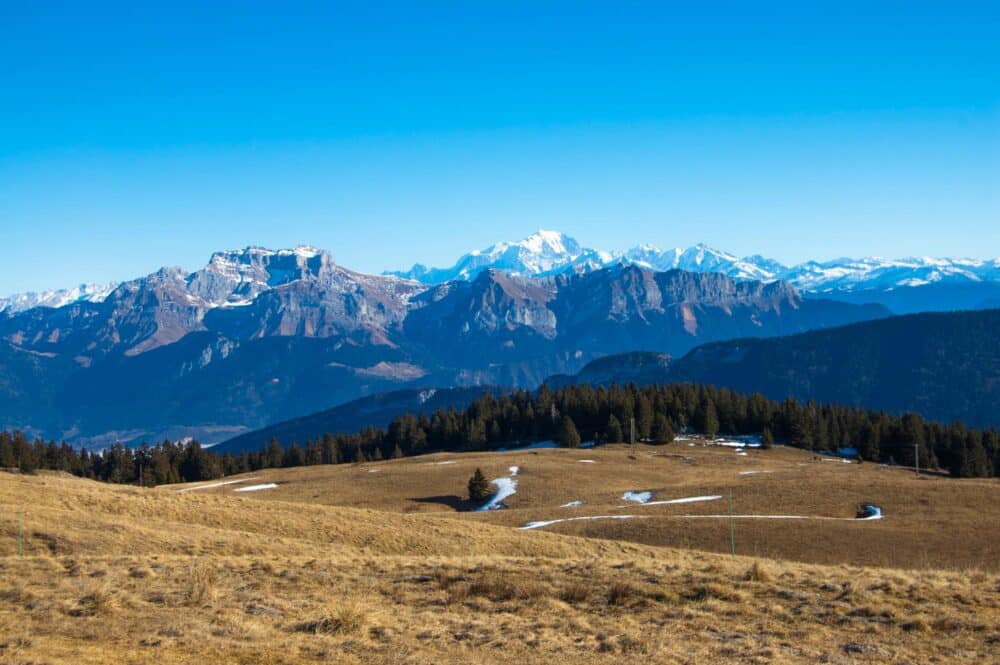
(133, 136)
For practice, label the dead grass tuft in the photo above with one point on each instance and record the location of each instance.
(349, 618)
(201, 585)
(577, 592)
(95, 599)
(758, 573)
(916, 625)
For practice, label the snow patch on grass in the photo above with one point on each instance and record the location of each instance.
(637, 497)
(255, 488)
(540, 524)
(505, 488)
(211, 485)
(687, 499)
(572, 504)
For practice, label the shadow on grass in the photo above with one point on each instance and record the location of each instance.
(452, 501)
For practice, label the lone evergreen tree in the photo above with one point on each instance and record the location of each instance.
(568, 436)
(767, 439)
(479, 488)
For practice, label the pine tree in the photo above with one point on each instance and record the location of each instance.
(568, 436)
(709, 419)
(613, 432)
(663, 432)
(274, 455)
(479, 488)
(767, 439)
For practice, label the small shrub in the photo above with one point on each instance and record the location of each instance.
(619, 593)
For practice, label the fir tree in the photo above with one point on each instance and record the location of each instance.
(663, 432)
(568, 436)
(613, 432)
(479, 488)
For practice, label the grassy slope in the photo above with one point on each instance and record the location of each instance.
(931, 521)
(115, 574)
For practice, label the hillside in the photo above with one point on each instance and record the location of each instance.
(366, 564)
(374, 411)
(945, 366)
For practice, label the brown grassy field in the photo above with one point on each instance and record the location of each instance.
(341, 564)
(930, 521)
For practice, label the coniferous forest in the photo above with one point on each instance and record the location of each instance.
(568, 415)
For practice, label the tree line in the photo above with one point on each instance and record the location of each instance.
(567, 415)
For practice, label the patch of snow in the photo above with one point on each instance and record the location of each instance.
(637, 497)
(540, 524)
(752, 473)
(211, 485)
(255, 488)
(450, 461)
(587, 461)
(688, 499)
(513, 470)
(742, 453)
(587, 444)
(572, 504)
(871, 512)
(372, 470)
(505, 488)
(736, 442)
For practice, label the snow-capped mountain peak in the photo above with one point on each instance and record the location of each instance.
(56, 297)
(541, 253)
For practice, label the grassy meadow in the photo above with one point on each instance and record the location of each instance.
(382, 563)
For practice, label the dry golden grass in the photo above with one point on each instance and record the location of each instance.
(123, 575)
(930, 521)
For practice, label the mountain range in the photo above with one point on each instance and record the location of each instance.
(257, 336)
(549, 252)
(234, 278)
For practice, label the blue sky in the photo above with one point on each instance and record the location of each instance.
(134, 136)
